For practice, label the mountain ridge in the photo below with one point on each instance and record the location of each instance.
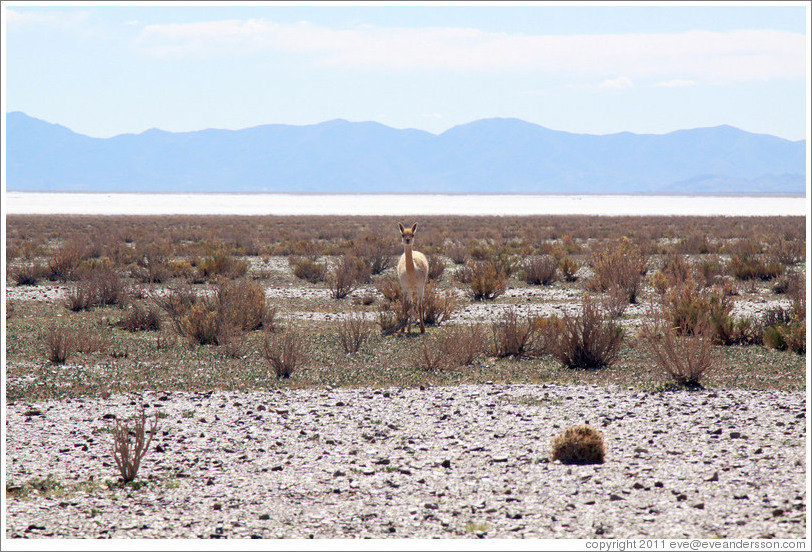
(497, 155)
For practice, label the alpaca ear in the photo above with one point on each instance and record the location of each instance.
(414, 227)
(401, 228)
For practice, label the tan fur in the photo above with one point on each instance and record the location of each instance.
(413, 272)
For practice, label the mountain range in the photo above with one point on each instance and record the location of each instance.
(485, 156)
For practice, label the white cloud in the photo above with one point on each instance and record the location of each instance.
(675, 83)
(695, 55)
(620, 82)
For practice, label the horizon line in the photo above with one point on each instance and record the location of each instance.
(370, 121)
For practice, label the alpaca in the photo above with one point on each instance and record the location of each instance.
(413, 271)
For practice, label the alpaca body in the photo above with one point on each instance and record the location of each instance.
(413, 272)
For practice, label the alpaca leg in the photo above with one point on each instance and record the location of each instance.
(420, 314)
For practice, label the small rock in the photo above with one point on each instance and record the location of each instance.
(778, 512)
(446, 463)
(700, 506)
(615, 497)
(735, 435)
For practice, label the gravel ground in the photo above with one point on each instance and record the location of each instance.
(458, 462)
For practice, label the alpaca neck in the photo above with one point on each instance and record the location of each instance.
(407, 251)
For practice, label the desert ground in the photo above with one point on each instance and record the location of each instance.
(289, 403)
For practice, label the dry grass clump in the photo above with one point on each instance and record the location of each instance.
(541, 270)
(486, 280)
(619, 264)
(99, 287)
(513, 337)
(353, 331)
(747, 266)
(242, 304)
(307, 269)
(237, 307)
(221, 263)
(28, 274)
(784, 330)
(459, 346)
(141, 318)
(569, 268)
(131, 440)
(346, 275)
(457, 252)
(65, 260)
(375, 253)
(437, 307)
(89, 340)
(58, 343)
(284, 351)
(587, 340)
(684, 359)
(580, 444)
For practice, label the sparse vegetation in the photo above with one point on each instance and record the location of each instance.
(143, 288)
(131, 440)
(580, 444)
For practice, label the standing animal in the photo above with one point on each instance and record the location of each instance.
(413, 271)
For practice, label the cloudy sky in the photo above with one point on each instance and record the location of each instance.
(103, 70)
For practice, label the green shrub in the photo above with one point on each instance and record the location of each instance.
(580, 444)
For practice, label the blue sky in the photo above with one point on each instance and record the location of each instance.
(103, 70)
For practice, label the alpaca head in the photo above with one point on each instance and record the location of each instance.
(407, 234)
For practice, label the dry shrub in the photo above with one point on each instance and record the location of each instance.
(353, 331)
(307, 269)
(541, 270)
(436, 269)
(65, 260)
(140, 318)
(152, 263)
(786, 251)
(786, 331)
(131, 440)
(28, 274)
(241, 304)
(754, 267)
(99, 287)
(614, 302)
(200, 323)
(284, 351)
(587, 340)
(457, 252)
(346, 275)
(685, 359)
(581, 444)
(176, 302)
(437, 307)
(58, 343)
(618, 264)
(392, 317)
(390, 289)
(569, 268)
(513, 337)
(221, 263)
(461, 345)
(89, 340)
(709, 272)
(376, 254)
(686, 307)
(486, 279)
(430, 357)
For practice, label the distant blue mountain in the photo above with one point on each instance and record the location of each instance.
(487, 156)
